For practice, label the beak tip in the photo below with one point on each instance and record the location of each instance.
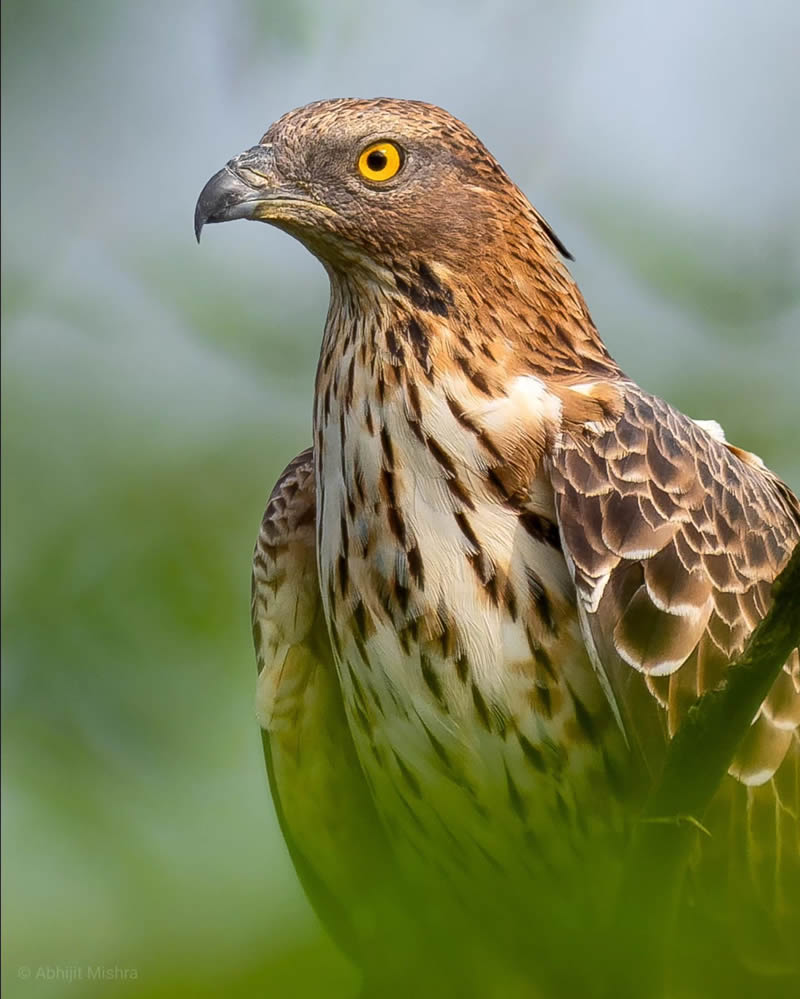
(226, 196)
(206, 204)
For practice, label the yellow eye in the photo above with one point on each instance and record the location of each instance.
(380, 161)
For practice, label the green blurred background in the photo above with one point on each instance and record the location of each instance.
(152, 391)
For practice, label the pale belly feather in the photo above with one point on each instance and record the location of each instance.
(484, 735)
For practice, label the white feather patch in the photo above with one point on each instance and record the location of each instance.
(713, 429)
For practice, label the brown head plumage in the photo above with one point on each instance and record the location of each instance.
(447, 229)
(445, 200)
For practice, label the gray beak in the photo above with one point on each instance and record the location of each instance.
(236, 190)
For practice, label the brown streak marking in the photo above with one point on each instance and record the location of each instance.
(539, 699)
(415, 566)
(438, 292)
(510, 600)
(408, 776)
(376, 699)
(402, 594)
(469, 424)
(357, 688)
(360, 619)
(405, 642)
(498, 485)
(460, 492)
(466, 530)
(363, 722)
(358, 478)
(481, 708)
(348, 392)
(490, 583)
(362, 650)
(532, 753)
(431, 678)
(543, 659)
(541, 600)
(445, 638)
(419, 433)
(414, 401)
(541, 529)
(343, 574)
(331, 587)
(583, 718)
(514, 796)
(395, 349)
(420, 344)
(393, 515)
(326, 402)
(438, 748)
(386, 445)
(442, 457)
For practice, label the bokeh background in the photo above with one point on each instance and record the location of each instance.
(153, 390)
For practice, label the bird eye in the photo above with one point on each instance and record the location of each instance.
(380, 161)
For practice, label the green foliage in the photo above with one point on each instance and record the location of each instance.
(137, 818)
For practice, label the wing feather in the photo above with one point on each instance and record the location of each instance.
(327, 816)
(674, 538)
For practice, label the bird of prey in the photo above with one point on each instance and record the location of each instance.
(488, 593)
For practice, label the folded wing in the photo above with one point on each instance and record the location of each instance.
(336, 842)
(674, 539)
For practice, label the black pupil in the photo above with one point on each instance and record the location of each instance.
(377, 160)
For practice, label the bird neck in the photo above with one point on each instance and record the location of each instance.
(517, 312)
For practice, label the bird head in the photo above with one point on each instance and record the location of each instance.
(372, 182)
(404, 205)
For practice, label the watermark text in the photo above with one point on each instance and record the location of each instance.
(77, 973)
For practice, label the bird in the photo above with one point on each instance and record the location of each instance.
(487, 595)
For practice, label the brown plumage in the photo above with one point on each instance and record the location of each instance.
(487, 595)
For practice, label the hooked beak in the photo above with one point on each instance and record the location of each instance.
(240, 188)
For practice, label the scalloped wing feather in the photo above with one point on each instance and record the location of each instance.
(674, 538)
